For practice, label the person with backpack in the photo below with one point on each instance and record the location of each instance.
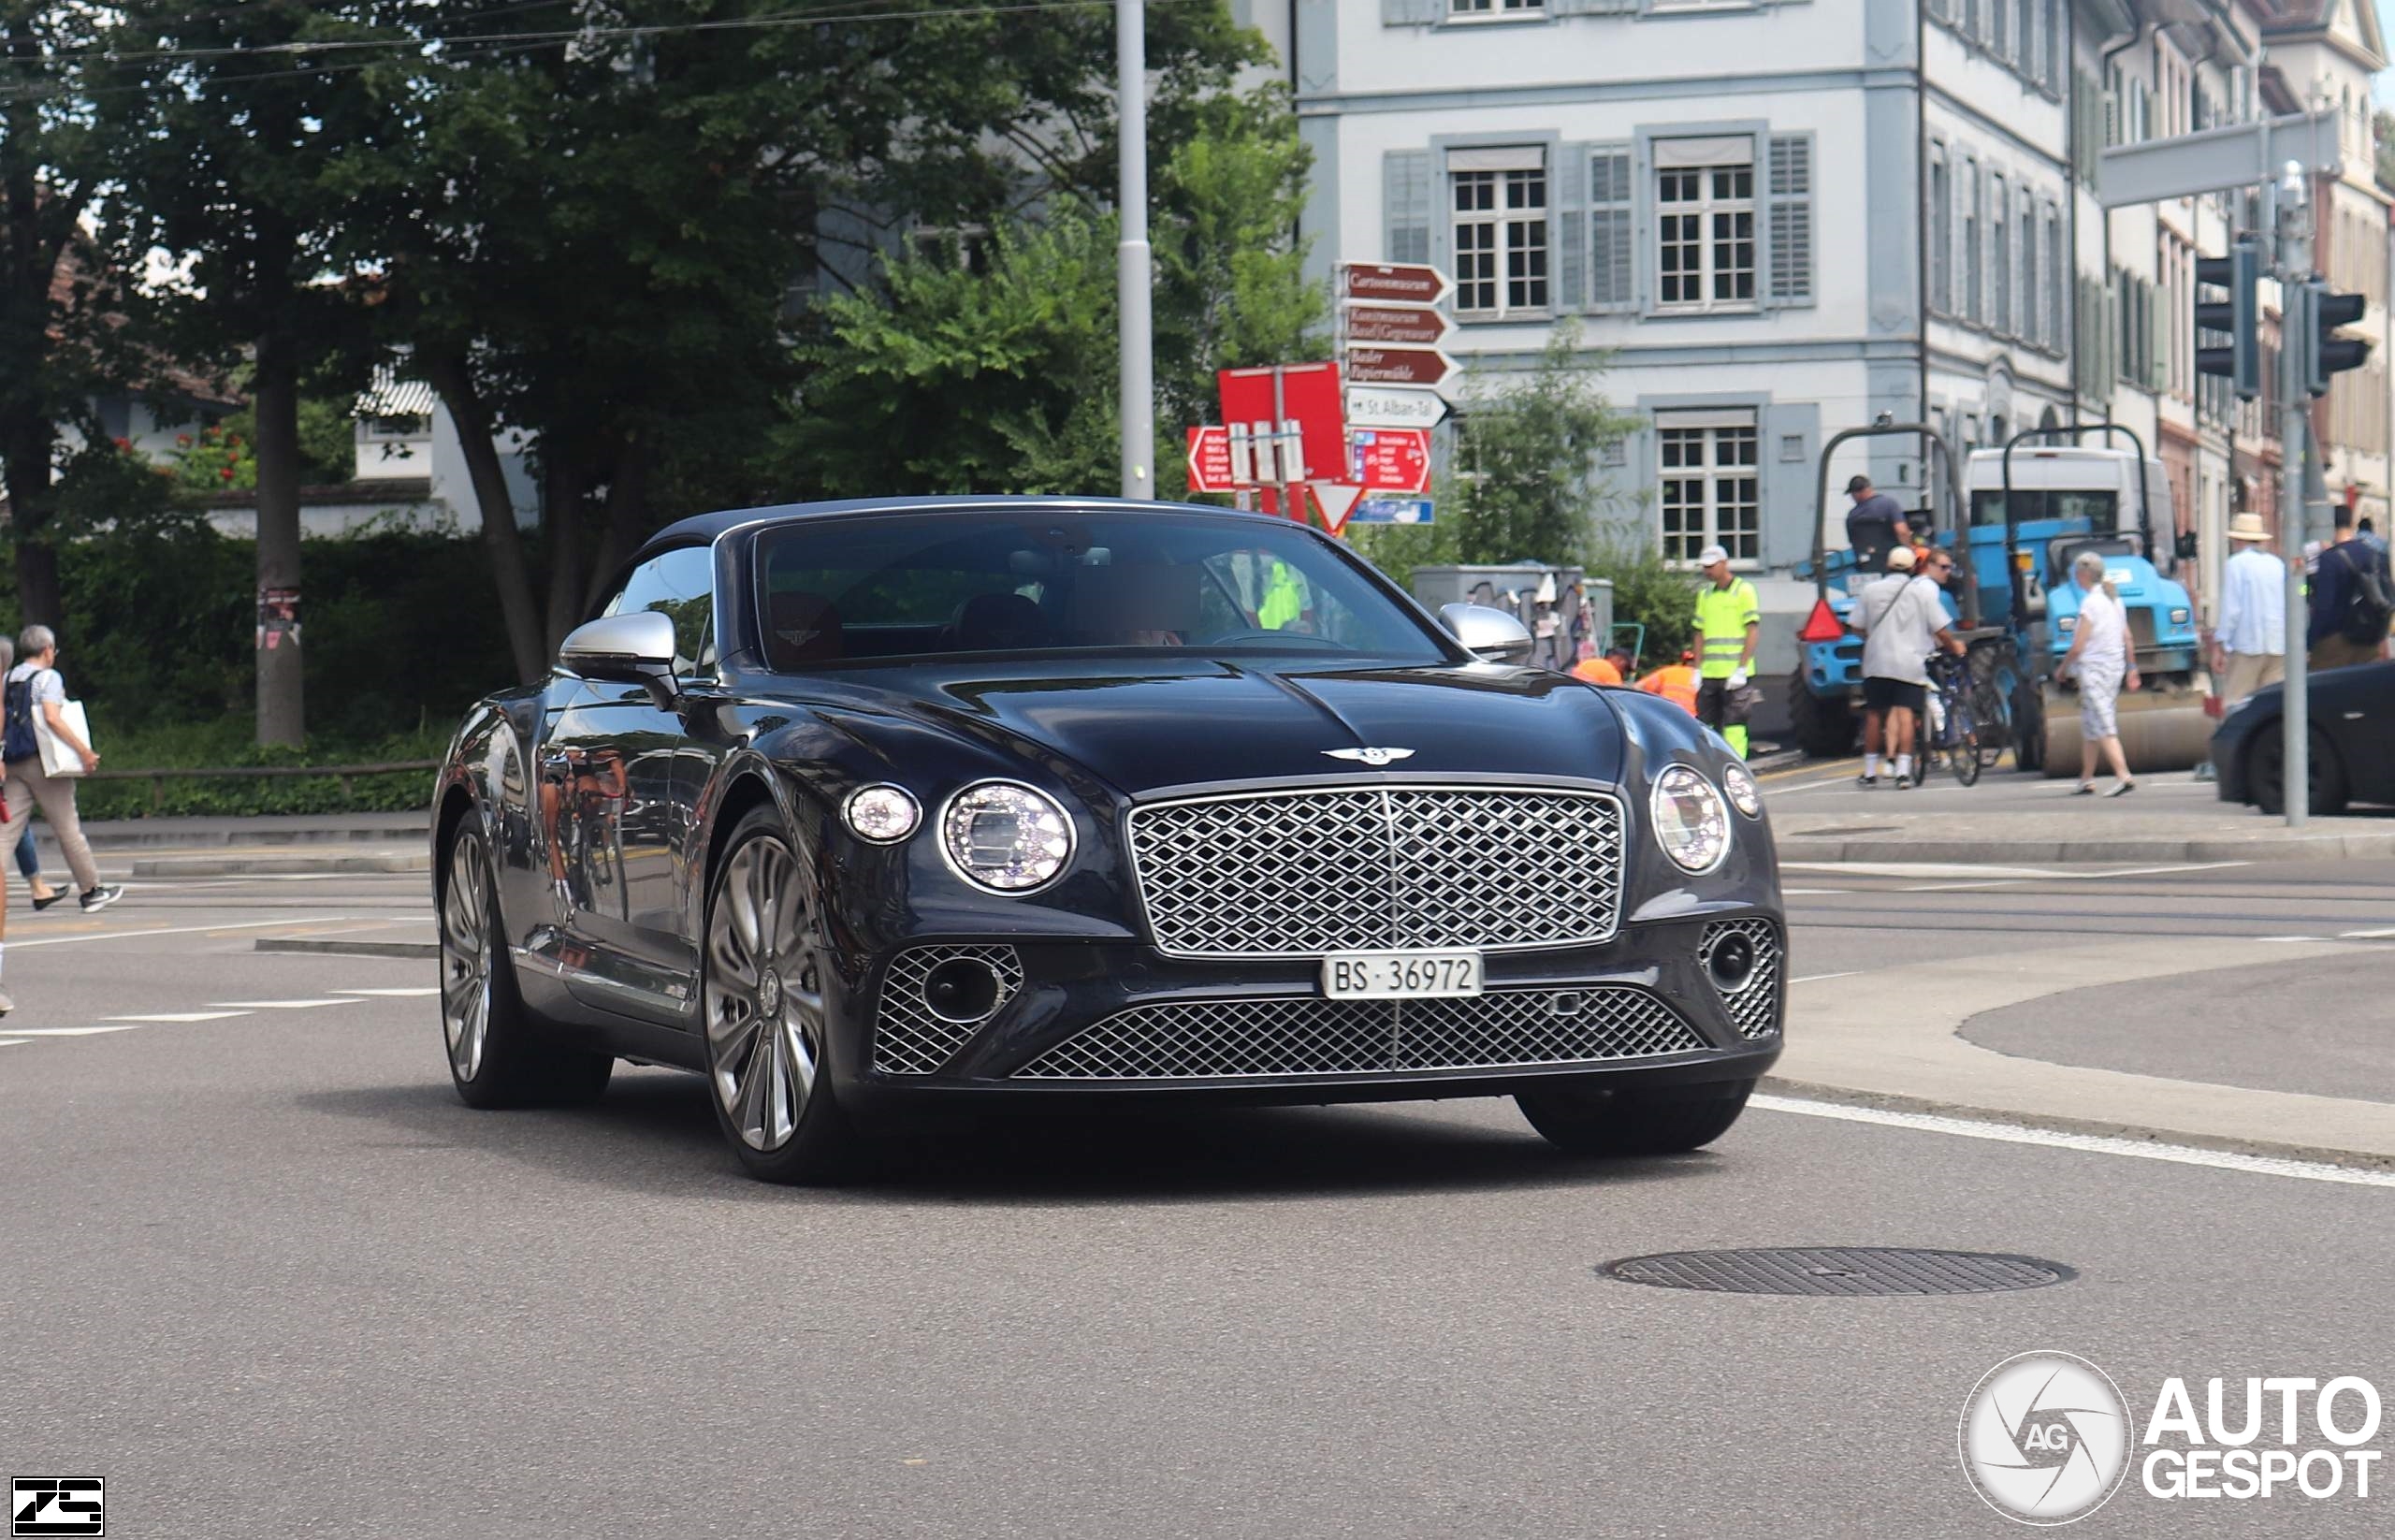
(33, 689)
(2352, 601)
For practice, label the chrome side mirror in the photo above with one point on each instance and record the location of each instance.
(1492, 636)
(634, 649)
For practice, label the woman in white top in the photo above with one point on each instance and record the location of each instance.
(2101, 656)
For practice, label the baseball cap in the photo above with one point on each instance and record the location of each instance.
(1711, 554)
(1900, 560)
(1857, 484)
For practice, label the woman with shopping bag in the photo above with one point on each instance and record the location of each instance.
(44, 746)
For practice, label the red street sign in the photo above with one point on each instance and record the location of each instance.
(1413, 324)
(1337, 500)
(1394, 282)
(1391, 459)
(1209, 460)
(1409, 366)
(1310, 396)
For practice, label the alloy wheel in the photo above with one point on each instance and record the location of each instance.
(763, 995)
(466, 955)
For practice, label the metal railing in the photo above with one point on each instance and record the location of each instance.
(345, 774)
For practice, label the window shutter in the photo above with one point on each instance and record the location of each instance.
(1792, 219)
(1406, 205)
(1591, 8)
(1413, 13)
(1612, 240)
(1567, 197)
(2157, 330)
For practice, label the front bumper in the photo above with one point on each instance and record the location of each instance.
(1118, 1019)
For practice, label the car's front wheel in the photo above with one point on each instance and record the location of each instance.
(766, 1019)
(499, 1053)
(1634, 1120)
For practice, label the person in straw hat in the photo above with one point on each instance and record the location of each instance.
(2249, 633)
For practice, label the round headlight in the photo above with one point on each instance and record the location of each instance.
(1745, 795)
(883, 814)
(1004, 837)
(1692, 821)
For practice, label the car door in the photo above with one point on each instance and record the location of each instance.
(615, 804)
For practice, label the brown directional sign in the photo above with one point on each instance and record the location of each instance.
(1406, 365)
(1412, 323)
(1393, 282)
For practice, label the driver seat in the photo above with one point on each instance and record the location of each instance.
(997, 623)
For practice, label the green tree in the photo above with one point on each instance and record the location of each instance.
(1525, 486)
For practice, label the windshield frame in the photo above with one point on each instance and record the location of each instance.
(756, 542)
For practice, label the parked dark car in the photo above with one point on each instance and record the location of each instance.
(2352, 740)
(869, 808)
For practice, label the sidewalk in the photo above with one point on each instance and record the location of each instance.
(1818, 814)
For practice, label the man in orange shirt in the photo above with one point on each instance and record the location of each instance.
(1609, 669)
(1676, 683)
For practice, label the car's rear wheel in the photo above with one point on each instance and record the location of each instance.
(2266, 773)
(499, 1053)
(1634, 1120)
(766, 1019)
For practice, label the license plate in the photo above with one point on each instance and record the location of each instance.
(1400, 974)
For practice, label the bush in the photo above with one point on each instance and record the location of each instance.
(1648, 591)
(227, 742)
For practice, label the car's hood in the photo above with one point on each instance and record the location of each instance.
(1188, 721)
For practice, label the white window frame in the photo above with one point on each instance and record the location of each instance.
(1518, 263)
(1710, 487)
(1707, 208)
(1468, 11)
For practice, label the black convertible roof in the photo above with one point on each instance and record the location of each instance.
(706, 526)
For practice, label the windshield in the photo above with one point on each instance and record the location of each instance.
(2100, 510)
(912, 584)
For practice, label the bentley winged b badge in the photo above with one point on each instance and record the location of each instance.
(1374, 757)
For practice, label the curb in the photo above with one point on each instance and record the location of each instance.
(1842, 1097)
(348, 948)
(2326, 847)
(280, 865)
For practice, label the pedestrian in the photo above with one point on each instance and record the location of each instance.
(1675, 683)
(28, 854)
(2249, 634)
(2353, 600)
(1611, 669)
(2369, 536)
(1874, 526)
(1901, 622)
(1729, 626)
(2102, 657)
(33, 686)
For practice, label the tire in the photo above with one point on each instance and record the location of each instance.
(2266, 773)
(765, 1022)
(500, 1054)
(2028, 728)
(1634, 1121)
(1963, 754)
(1824, 729)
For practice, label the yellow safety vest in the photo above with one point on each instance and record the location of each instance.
(1722, 616)
(1283, 599)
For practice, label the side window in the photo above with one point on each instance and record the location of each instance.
(680, 584)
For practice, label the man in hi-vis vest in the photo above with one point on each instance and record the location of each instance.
(1729, 625)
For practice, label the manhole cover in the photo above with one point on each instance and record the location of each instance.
(1839, 1269)
(1858, 829)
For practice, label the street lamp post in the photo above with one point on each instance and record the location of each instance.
(1132, 271)
(2294, 436)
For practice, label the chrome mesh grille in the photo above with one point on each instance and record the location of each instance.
(1298, 874)
(1230, 1040)
(1754, 1005)
(912, 1038)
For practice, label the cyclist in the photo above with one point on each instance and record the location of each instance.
(1901, 622)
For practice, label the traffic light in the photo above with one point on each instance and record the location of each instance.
(2329, 353)
(2235, 317)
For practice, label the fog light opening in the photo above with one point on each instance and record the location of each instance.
(1733, 962)
(962, 989)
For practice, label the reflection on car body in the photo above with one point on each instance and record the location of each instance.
(863, 808)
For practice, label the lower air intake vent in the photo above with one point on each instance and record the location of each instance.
(1741, 960)
(934, 998)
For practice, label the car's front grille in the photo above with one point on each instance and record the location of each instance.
(1503, 1028)
(1301, 873)
(1754, 1005)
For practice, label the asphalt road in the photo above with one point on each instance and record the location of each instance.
(270, 1278)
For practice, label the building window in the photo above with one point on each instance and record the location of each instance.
(1494, 7)
(1999, 231)
(1710, 488)
(1500, 233)
(2057, 284)
(1706, 224)
(2032, 307)
(2052, 71)
(964, 248)
(1941, 233)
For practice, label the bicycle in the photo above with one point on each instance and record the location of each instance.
(1950, 721)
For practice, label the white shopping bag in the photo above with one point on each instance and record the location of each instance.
(57, 759)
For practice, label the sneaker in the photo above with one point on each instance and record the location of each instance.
(7, 1005)
(2124, 789)
(1867, 782)
(1904, 783)
(101, 897)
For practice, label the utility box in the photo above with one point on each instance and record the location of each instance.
(1575, 607)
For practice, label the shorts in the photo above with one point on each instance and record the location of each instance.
(1882, 694)
(1718, 706)
(2100, 686)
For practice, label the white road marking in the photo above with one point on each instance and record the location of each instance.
(2005, 1133)
(180, 1016)
(2295, 938)
(175, 930)
(2080, 877)
(2366, 935)
(1913, 868)
(12, 1043)
(392, 994)
(276, 1005)
(1817, 977)
(66, 1031)
(1810, 893)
